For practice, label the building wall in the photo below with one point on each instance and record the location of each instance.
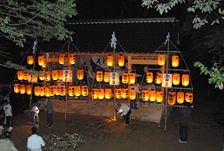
(145, 112)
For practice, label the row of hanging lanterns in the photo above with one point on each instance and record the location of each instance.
(180, 97)
(174, 60)
(176, 77)
(120, 60)
(119, 93)
(127, 78)
(152, 95)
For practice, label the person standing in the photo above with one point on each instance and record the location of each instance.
(6, 144)
(125, 111)
(35, 142)
(8, 115)
(185, 113)
(50, 112)
(35, 112)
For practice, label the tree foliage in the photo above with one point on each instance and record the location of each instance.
(37, 19)
(205, 11)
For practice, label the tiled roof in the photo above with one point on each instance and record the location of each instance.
(133, 35)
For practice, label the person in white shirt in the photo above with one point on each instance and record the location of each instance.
(8, 115)
(35, 112)
(125, 111)
(6, 144)
(35, 142)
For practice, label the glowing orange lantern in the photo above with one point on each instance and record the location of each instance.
(132, 78)
(77, 90)
(47, 92)
(145, 95)
(47, 76)
(62, 90)
(60, 74)
(185, 80)
(125, 78)
(19, 75)
(41, 60)
(189, 97)
(61, 58)
(121, 60)
(159, 96)
(71, 91)
(16, 88)
(175, 61)
(132, 93)
(30, 60)
(99, 76)
(161, 59)
(42, 92)
(41, 75)
(53, 90)
(118, 93)
(108, 93)
(80, 74)
(106, 77)
(37, 90)
(124, 93)
(152, 95)
(29, 89)
(110, 61)
(100, 93)
(22, 89)
(85, 90)
(58, 89)
(180, 97)
(149, 77)
(172, 98)
(158, 78)
(94, 94)
(71, 58)
(176, 79)
(25, 75)
(54, 74)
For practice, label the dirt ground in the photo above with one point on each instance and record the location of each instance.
(102, 134)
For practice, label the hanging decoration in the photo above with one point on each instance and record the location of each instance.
(149, 77)
(121, 60)
(175, 61)
(30, 60)
(110, 60)
(176, 79)
(185, 79)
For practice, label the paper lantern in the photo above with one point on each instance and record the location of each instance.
(61, 58)
(125, 78)
(25, 75)
(108, 93)
(37, 90)
(161, 59)
(110, 61)
(71, 91)
(22, 89)
(132, 93)
(152, 95)
(176, 79)
(29, 89)
(19, 75)
(101, 93)
(41, 75)
(180, 97)
(158, 78)
(106, 77)
(85, 90)
(60, 74)
(47, 76)
(80, 74)
(47, 91)
(118, 93)
(172, 98)
(121, 60)
(30, 60)
(149, 77)
(159, 96)
(44, 64)
(53, 90)
(94, 94)
(77, 90)
(54, 74)
(132, 78)
(16, 88)
(41, 60)
(42, 92)
(62, 91)
(175, 61)
(189, 97)
(33, 78)
(185, 80)
(145, 95)
(124, 93)
(71, 58)
(58, 90)
(99, 76)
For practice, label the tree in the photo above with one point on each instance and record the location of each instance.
(208, 16)
(37, 19)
